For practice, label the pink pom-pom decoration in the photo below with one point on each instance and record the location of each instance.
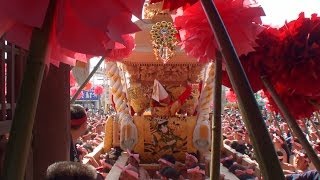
(98, 90)
(231, 96)
(240, 20)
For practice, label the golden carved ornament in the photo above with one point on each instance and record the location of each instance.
(168, 74)
(164, 41)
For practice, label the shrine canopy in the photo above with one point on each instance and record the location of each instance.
(81, 29)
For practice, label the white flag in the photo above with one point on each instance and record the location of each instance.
(158, 92)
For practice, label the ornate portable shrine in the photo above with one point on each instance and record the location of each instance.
(161, 95)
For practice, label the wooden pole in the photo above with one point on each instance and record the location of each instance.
(292, 123)
(94, 70)
(21, 131)
(259, 135)
(216, 124)
(51, 131)
(3, 105)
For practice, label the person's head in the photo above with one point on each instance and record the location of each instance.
(280, 156)
(133, 159)
(78, 120)
(129, 173)
(167, 161)
(301, 161)
(191, 160)
(238, 135)
(196, 173)
(66, 170)
(285, 127)
(168, 173)
(277, 141)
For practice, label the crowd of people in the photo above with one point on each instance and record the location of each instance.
(87, 132)
(292, 157)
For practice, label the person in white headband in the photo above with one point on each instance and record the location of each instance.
(196, 173)
(190, 161)
(134, 160)
(128, 172)
(167, 161)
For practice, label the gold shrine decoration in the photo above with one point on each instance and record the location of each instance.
(163, 40)
(159, 136)
(167, 74)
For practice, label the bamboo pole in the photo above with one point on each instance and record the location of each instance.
(292, 123)
(216, 124)
(21, 131)
(94, 70)
(261, 141)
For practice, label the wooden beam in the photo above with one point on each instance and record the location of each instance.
(115, 172)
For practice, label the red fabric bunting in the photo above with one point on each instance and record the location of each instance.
(79, 27)
(183, 97)
(98, 90)
(121, 51)
(174, 4)
(72, 80)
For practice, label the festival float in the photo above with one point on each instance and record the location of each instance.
(162, 96)
(163, 91)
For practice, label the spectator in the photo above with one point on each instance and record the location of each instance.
(169, 173)
(134, 161)
(68, 170)
(78, 128)
(197, 173)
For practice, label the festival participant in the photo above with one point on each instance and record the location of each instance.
(278, 146)
(134, 160)
(287, 168)
(239, 144)
(128, 172)
(309, 175)
(169, 173)
(78, 128)
(104, 169)
(301, 162)
(242, 172)
(190, 161)
(70, 170)
(167, 161)
(196, 173)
